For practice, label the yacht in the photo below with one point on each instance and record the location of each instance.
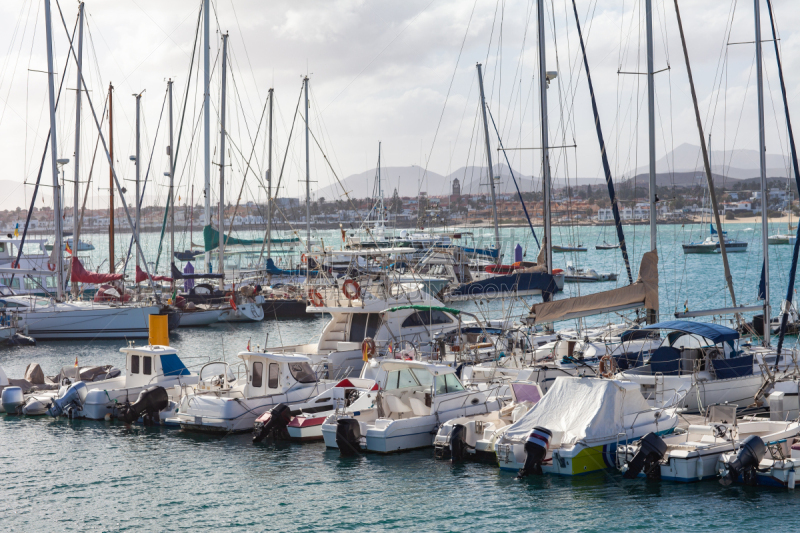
(414, 397)
(711, 244)
(225, 401)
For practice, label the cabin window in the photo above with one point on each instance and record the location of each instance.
(134, 364)
(147, 365)
(426, 318)
(413, 321)
(50, 282)
(448, 383)
(302, 372)
(30, 284)
(400, 379)
(424, 377)
(274, 372)
(8, 283)
(373, 323)
(258, 375)
(358, 324)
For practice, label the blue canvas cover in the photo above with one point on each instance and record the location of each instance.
(712, 332)
(172, 365)
(735, 367)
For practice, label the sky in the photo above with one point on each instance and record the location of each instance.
(402, 73)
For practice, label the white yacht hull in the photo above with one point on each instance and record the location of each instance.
(87, 320)
(247, 312)
(107, 401)
(201, 318)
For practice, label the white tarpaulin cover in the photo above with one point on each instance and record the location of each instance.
(576, 409)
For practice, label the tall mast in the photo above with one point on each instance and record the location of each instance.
(762, 148)
(58, 246)
(171, 201)
(381, 223)
(269, 181)
(111, 263)
(543, 82)
(76, 229)
(652, 314)
(222, 161)
(138, 206)
(308, 178)
(207, 122)
(489, 161)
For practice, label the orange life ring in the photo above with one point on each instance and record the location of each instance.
(346, 289)
(14, 264)
(607, 366)
(316, 298)
(303, 258)
(367, 348)
(51, 267)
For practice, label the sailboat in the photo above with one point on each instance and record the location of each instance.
(785, 238)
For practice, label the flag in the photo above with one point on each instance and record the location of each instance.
(67, 248)
(248, 345)
(16, 230)
(365, 352)
(76, 361)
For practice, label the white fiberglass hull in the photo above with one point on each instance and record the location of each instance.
(248, 312)
(201, 318)
(87, 320)
(107, 401)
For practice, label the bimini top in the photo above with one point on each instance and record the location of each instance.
(712, 332)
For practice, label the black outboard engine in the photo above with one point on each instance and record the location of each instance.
(272, 422)
(348, 436)
(535, 451)
(458, 443)
(746, 462)
(651, 450)
(152, 400)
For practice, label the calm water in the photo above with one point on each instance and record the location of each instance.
(101, 476)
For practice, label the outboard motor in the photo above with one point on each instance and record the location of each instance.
(71, 400)
(273, 422)
(151, 401)
(535, 451)
(746, 462)
(651, 450)
(12, 400)
(458, 443)
(348, 436)
(18, 339)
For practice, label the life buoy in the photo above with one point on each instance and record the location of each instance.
(303, 258)
(316, 298)
(14, 264)
(367, 348)
(351, 289)
(607, 366)
(51, 267)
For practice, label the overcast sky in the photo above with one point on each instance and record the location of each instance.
(398, 72)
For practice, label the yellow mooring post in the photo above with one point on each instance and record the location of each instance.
(159, 332)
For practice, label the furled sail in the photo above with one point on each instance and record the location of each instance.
(642, 293)
(81, 275)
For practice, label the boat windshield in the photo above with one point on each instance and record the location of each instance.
(302, 372)
(408, 377)
(5, 291)
(216, 371)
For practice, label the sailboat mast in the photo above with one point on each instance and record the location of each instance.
(111, 263)
(652, 314)
(308, 177)
(489, 161)
(222, 133)
(207, 122)
(58, 246)
(543, 81)
(171, 201)
(76, 230)
(269, 180)
(138, 205)
(763, 171)
(380, 192)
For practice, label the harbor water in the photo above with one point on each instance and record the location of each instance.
(80, 475)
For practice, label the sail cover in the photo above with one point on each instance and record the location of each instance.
(643, 292)
(211, 240)
(81, 275)
(582, 409)
(142, 276)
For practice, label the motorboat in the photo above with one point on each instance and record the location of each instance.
(201, 315)
(414, 397)
(701, 362)
(606, 246)
(471, 437)
(577, 427)
(569, 248)
(574, 274)
(691, 454)
(225, 401)
(711, 244)
(760, 461)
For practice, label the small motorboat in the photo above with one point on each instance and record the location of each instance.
(569, 248)
(606, 246)
(590, 275)
(761, 462)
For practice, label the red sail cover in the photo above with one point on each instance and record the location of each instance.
(141, 276)
(81, 275)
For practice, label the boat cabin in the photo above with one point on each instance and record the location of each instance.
(270, 373)
(688, 348)
(147, 365)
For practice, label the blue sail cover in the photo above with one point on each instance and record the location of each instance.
(712, 332)
(272, 269)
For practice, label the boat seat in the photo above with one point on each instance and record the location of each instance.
(396, 405)
(418, 407)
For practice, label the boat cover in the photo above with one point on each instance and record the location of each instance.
(81, 275)
(142, 276)
(177, 274)
(644, 291)
(713, 332)
(211, 239)
(576, 409)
